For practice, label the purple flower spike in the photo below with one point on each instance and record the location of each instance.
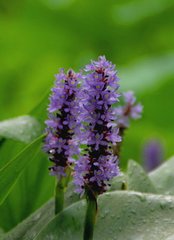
(61, 125)
(130, 110)
(99, 91)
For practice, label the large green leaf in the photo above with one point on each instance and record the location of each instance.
(10, 172)
(119, 182)
(15, 148)
(137, 179)
(23, 128)
(163, 177)
(23, 197)
(17, 133)
(35, 186)
(2, 141)
(1, 233)
(122, 215)
(29, 227)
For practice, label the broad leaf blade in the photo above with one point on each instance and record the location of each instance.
(23, 128)
(122, 215)
(11, 171)
(35, 186)
(163, 177)
(28, 228)
(119, 183)
(137, 179)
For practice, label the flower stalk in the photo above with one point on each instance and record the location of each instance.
(59, 196)
(91, 214)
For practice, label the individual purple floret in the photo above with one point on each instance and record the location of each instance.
(153, 155)
(62, 124)
(99, 91)
(130, 110)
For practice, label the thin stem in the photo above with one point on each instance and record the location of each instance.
(117, 147)
(90, 217)
(59, 196)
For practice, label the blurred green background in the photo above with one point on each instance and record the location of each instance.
(37, 37)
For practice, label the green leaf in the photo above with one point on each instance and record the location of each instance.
(163, 177)
(35, 120)
(2, 234)
(122, 215)
(10, 173)
(28, 228)
(23, 128)
(119, 183)
(137, 179)
(2, 141)
(15, 148)
(35, 186)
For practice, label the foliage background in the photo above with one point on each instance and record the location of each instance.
(37, 37)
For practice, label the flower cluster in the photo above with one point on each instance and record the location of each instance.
(129, 110)
(62, 124)
(85, 114)
(99, 91)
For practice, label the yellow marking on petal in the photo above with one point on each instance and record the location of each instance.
(98, 86)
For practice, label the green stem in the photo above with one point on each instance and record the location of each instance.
(90, 217)
(59, 196)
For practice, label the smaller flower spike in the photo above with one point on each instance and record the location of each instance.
(153, 154)
(124, 113)
(129, 110)
(61, 125)
(99, 91)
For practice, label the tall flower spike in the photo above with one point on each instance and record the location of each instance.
(99, 91)
(61, 125)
